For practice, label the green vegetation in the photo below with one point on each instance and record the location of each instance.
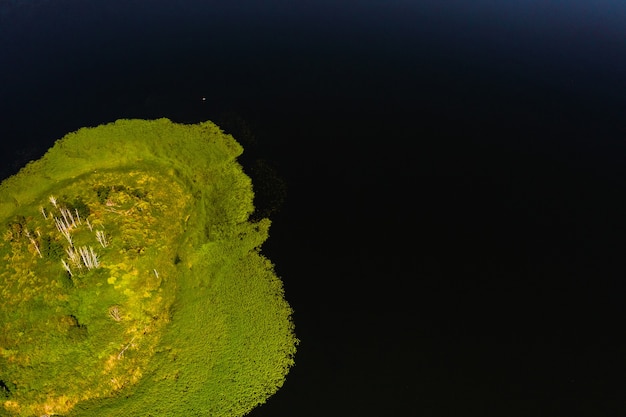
(132, 282)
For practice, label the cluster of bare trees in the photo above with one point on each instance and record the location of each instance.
(64, 229)
(65, 222)
(83, 256)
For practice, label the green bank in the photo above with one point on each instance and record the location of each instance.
(132, 282)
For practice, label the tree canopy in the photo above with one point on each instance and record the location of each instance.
(132, 278)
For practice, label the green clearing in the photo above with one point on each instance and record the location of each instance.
(132, 282)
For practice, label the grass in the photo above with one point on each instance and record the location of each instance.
(132, 281)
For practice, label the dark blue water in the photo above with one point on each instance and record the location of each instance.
(453, 233)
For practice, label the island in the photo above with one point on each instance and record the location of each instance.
(132, 279)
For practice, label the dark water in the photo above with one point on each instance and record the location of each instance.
(453, 235)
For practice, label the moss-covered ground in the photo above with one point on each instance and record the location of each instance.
(132, 281)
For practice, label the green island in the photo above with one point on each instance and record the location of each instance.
(132, 282)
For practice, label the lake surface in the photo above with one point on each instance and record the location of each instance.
(452, 239)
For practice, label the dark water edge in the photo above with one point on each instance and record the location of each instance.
(452, 236)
